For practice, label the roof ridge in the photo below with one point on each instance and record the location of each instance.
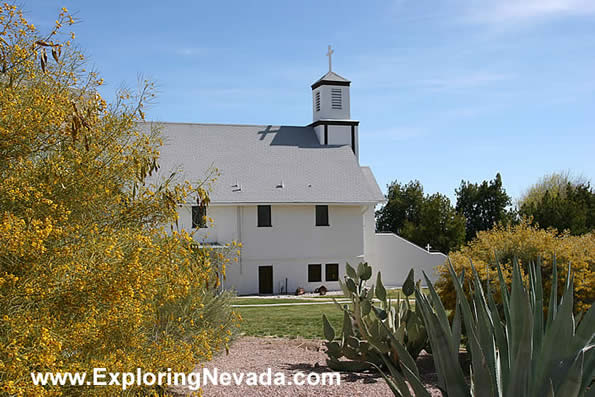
(224, 124)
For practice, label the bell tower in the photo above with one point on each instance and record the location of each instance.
(331, 112)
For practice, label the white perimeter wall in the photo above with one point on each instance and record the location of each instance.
(394, 257)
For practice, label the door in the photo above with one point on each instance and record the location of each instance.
(265, 279)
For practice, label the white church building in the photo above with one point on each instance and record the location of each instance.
(296, 197)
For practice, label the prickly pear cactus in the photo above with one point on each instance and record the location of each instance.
(349, 351)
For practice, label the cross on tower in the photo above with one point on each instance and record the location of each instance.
(428, 247)
(329, 54)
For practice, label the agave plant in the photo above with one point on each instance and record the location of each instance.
(365, 340)
(515, 350)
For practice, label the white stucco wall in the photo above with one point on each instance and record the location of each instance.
(289, 245)
(395, 256)
(293, 242)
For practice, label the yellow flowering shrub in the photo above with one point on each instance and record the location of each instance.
(89, 276)
(527, 243)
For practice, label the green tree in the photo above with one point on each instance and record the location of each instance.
(570, 208)
(554, 183)
(483, 205)
(403, 205)
(422, 219)
(562, 201)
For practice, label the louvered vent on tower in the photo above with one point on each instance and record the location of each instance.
(336, 99)
(317, 101)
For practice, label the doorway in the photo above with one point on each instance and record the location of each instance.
(265, 279)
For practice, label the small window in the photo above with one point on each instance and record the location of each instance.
(314, 273)
(322, 215)
(336, 98)
(199, 217)
(264, 216)
(332, 272)
(317, 101)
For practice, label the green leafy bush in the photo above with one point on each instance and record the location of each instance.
(526, 243)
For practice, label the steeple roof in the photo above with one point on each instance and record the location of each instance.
(331, 78)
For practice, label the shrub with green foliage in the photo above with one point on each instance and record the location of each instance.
(527, 243)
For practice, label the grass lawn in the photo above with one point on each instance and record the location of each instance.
(268, 301)
(392, 293)
(288, 321)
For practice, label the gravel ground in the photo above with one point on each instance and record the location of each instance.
(251, 354)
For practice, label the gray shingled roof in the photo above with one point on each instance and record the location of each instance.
(332, 76)
(260, 158)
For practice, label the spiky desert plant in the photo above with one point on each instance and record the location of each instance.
(515, 349)
(396, 317)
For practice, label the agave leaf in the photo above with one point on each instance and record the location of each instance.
(550, 390)
(380, 313)
(553, 304)
(449, 371)
(456, 331)
(361, 268)
(537, 297)
(436, 302)
(409, 285)
(520, 337)
(329, 331)
(571, 384)
(352, 341)
(588, 368)
(344, 288)
(395, 382)
(555, 346)
(505, 295)
(334, 349)
(380, 291)
(413, 379)
(485, 326)
(367, 274)
(351, 287)
(502, 360)
(347, 328)
(366, 307)
(584, 337)
(350, 271)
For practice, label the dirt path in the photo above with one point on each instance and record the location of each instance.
(251, 354)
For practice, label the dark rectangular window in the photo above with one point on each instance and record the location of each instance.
(332, 272)
(314, 273)
(264, 216)
(199, 215)
(322, 215)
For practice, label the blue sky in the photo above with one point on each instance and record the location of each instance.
(444, 90)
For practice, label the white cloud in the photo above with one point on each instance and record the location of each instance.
(395, 134)
(191, 51)
(511, 11)
(463, 81)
